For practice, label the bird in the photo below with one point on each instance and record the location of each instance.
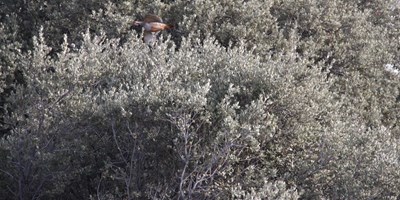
(152, 24)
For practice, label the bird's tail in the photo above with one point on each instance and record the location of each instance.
(169, 26)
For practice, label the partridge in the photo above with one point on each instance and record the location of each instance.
(152, 24)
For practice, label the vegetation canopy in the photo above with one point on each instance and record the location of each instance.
(255, 99)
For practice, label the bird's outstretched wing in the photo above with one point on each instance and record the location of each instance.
(149, 37)
(152, 18)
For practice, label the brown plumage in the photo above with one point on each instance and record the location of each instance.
(152, 24)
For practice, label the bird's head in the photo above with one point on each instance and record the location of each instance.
(137, 23)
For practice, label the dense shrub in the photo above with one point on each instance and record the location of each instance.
(244, 100)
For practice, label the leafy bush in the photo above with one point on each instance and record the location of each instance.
(246, 99)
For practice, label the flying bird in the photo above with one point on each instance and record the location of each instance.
(152, 24)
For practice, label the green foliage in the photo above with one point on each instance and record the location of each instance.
(244, 100)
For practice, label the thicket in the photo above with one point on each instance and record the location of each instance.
(277, 99)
